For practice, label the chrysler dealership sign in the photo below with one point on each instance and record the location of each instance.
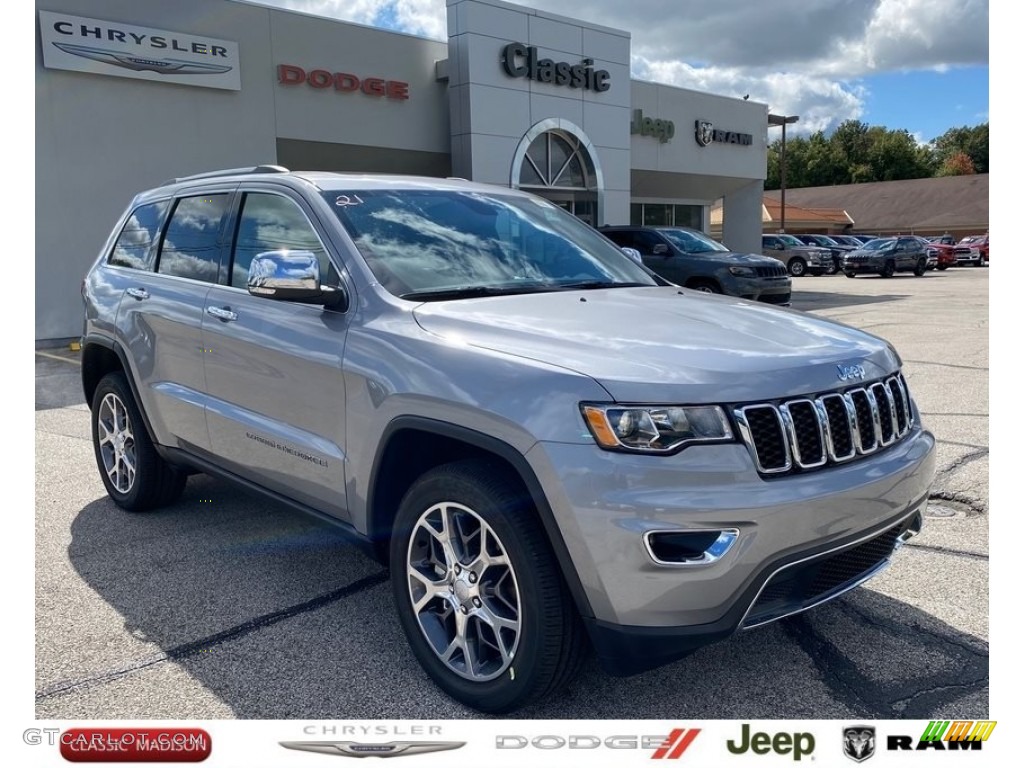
(124, 50)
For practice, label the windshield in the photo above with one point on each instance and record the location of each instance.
(972, 239)
(791, 241)
(423, 244)
(880, 244)
(692, 242)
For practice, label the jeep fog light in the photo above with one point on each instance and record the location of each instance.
(655, 429)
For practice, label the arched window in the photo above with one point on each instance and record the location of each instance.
(556, 160)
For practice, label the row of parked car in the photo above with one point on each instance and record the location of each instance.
(692, 259)
(812, 254)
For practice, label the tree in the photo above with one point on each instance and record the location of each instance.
(896, 156)
(973, 142)
(957, 164)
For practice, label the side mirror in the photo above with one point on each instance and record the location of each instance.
(634, 254)
(290, 276)
(660, 249)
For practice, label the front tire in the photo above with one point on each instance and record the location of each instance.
(135, 476)
(797, 267)
(478, 592)
(705, 286)
(921, 267)
(888, 270)
(851, 275)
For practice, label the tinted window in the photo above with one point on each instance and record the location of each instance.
(622, 238)
(274, 223)
(132, 248)
(645, 242)
(191, 243)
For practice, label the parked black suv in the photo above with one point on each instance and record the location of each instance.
(886, 256)
(689, 258)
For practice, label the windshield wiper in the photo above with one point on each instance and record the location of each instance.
(588, 285)
(474, 291)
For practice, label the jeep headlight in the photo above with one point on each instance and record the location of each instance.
(741, 271)
(655, 429)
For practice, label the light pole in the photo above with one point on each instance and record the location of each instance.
(782, 120)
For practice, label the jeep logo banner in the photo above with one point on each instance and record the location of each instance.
(662, 130)
(99, 47)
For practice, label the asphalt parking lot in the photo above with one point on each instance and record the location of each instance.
(229, 606)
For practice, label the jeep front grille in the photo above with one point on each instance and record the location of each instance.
(830, 428)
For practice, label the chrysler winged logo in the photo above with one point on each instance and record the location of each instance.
(357, 749)
(705, 132)
(859, 742)
(143, 63)
(849, 372)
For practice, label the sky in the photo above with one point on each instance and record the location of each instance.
(919, 65)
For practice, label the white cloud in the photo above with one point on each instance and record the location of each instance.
(798, 57)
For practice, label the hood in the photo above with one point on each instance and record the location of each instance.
(734, 258)
(665, 345)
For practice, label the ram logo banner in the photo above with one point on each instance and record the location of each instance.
(357, 749)
(945, 735)
(99, 47)
(705, 132)
(859, 742)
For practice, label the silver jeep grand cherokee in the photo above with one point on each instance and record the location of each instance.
(555, 450)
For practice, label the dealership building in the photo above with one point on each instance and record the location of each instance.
(130, 93)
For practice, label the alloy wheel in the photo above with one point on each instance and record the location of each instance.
(116, 442)
(464, 592)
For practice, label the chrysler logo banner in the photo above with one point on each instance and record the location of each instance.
(369, 749)
(101, 47)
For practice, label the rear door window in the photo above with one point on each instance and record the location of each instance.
(191, 244)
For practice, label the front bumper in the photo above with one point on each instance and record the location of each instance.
(647, 614)
(863, 267)
(769, 290)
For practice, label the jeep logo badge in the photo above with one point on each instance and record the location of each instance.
(850, 372)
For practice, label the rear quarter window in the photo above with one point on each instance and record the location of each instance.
(134, 246)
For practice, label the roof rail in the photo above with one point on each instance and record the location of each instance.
(228, 172)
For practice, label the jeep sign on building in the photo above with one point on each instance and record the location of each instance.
(130, 94)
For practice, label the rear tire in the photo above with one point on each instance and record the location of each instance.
(478, 591)
(134, 474)
(942, 267)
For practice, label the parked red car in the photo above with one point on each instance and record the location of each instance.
(972, 250)
(942, 251)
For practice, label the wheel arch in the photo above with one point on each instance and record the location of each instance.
(101, 356)
(412, 445)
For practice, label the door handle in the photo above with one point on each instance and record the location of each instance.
(138, 293)
(222, 313)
